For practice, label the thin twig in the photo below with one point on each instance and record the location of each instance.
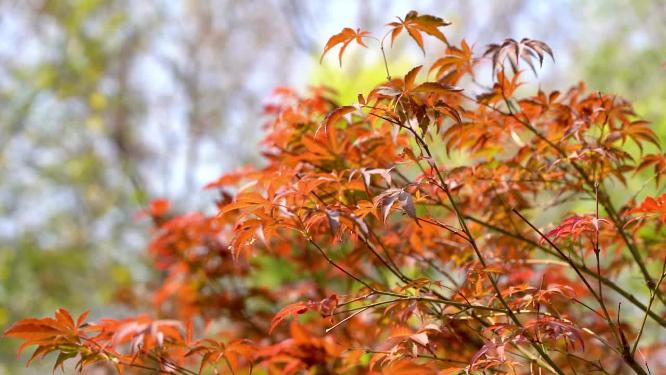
(652, 295)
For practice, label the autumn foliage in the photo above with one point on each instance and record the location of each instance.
(402, 258)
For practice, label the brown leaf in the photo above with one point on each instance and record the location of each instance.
(335, 115)
(513, 51)
(436, 88)
(388, 91)
(344, 37)
(293, 309)
(415, 24)
(410, 77)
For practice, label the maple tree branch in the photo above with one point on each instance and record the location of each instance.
(596, 247)
(652, 295)
(118, 361)
(392, 266)
(422, 144)
(437, 268)
(170, 364)
(354, 300)
(381, 47)
(627, 356)
(562, 255)
(370, 351)
(607, 282)
(358, 310)
(396, 271)
(463, 224)
(607, 203)
(605, 200)
(588, 362)
(328, 330)
(534, 358)
(444, 226)
(323, 253)
(442, 301)
(596, 254)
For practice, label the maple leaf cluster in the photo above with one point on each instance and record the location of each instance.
(396, 258)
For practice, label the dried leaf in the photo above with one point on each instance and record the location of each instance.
(344, 37)
(415, 24)
(335, 115)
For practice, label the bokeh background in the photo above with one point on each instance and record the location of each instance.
(105, 104)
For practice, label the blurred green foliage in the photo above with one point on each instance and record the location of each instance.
(61, 194)
(629, 59)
